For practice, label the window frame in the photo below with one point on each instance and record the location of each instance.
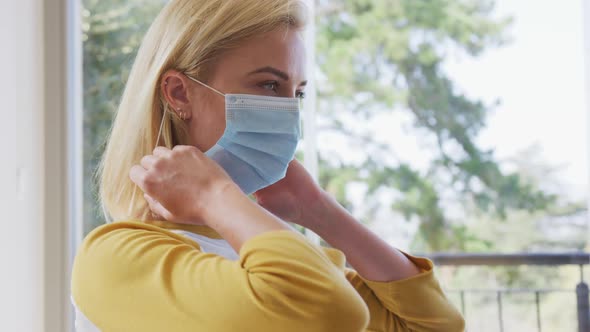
(62, 171)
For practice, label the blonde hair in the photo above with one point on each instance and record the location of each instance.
(186, 36)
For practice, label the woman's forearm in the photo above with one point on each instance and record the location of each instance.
(369, 255)
(237, 219)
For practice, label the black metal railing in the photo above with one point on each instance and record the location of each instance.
(546, 259)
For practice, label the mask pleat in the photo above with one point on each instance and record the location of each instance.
(259, 141)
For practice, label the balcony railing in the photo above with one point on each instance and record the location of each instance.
(547, 259)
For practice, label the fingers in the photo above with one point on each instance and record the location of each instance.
(137, 175)
(143, 174)
(151, 204)
(157, 208)
(141, 177)
(183, 148)
(161, 151)
(148, 161)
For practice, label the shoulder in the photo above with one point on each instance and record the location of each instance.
(116, 257)
(117, 242)
(112, 237)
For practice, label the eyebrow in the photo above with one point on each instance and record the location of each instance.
(274, 71)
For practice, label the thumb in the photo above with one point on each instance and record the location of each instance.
(259, 197)
(157, 208)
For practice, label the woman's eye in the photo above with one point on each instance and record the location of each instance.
(300, 94)
(273, 86)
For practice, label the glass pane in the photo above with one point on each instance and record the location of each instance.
(444, 124)
(112, 32)
(460, 126)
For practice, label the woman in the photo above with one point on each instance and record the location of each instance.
(190, 251)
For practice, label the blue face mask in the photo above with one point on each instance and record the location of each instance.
(260, 138)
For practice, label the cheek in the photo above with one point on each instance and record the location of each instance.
(208, 124)
(218, 122)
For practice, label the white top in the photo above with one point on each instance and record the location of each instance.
(215, 246)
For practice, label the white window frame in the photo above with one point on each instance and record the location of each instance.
(42, 196)
(309, 107)
(63, 156)
(586, 36)
(56, 178)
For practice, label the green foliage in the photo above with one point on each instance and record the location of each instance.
(387, 56)
(112, 32)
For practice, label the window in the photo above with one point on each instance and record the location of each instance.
(460, 126)
(111, 32)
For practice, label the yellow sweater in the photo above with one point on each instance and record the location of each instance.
(131, 276)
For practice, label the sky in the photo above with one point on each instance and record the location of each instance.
(539, 78)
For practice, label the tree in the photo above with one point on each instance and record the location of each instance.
(387, 56)
(112, 33)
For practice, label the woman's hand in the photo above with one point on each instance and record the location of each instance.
(294, 198)
(179, 184)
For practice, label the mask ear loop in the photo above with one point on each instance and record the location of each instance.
(161, 126)
(157, 144)
(205, 85)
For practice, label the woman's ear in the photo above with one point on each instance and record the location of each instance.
(174, 87)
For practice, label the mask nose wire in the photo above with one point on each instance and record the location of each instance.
(205, 85)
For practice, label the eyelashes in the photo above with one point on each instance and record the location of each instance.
(271, 85)
(275, 85)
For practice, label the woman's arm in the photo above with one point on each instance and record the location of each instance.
(413, 304)
(368, 254)
(130, 276)
(298, 199)
(401, 291)
(237, 218)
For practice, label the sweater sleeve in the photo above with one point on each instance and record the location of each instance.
(131, 276)
(414, 304)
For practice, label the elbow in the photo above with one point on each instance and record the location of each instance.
(322, 304)
(344, 311)
(455, 322)
(447, 320)
(459, 323)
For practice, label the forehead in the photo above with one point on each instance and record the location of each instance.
(282, 49)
